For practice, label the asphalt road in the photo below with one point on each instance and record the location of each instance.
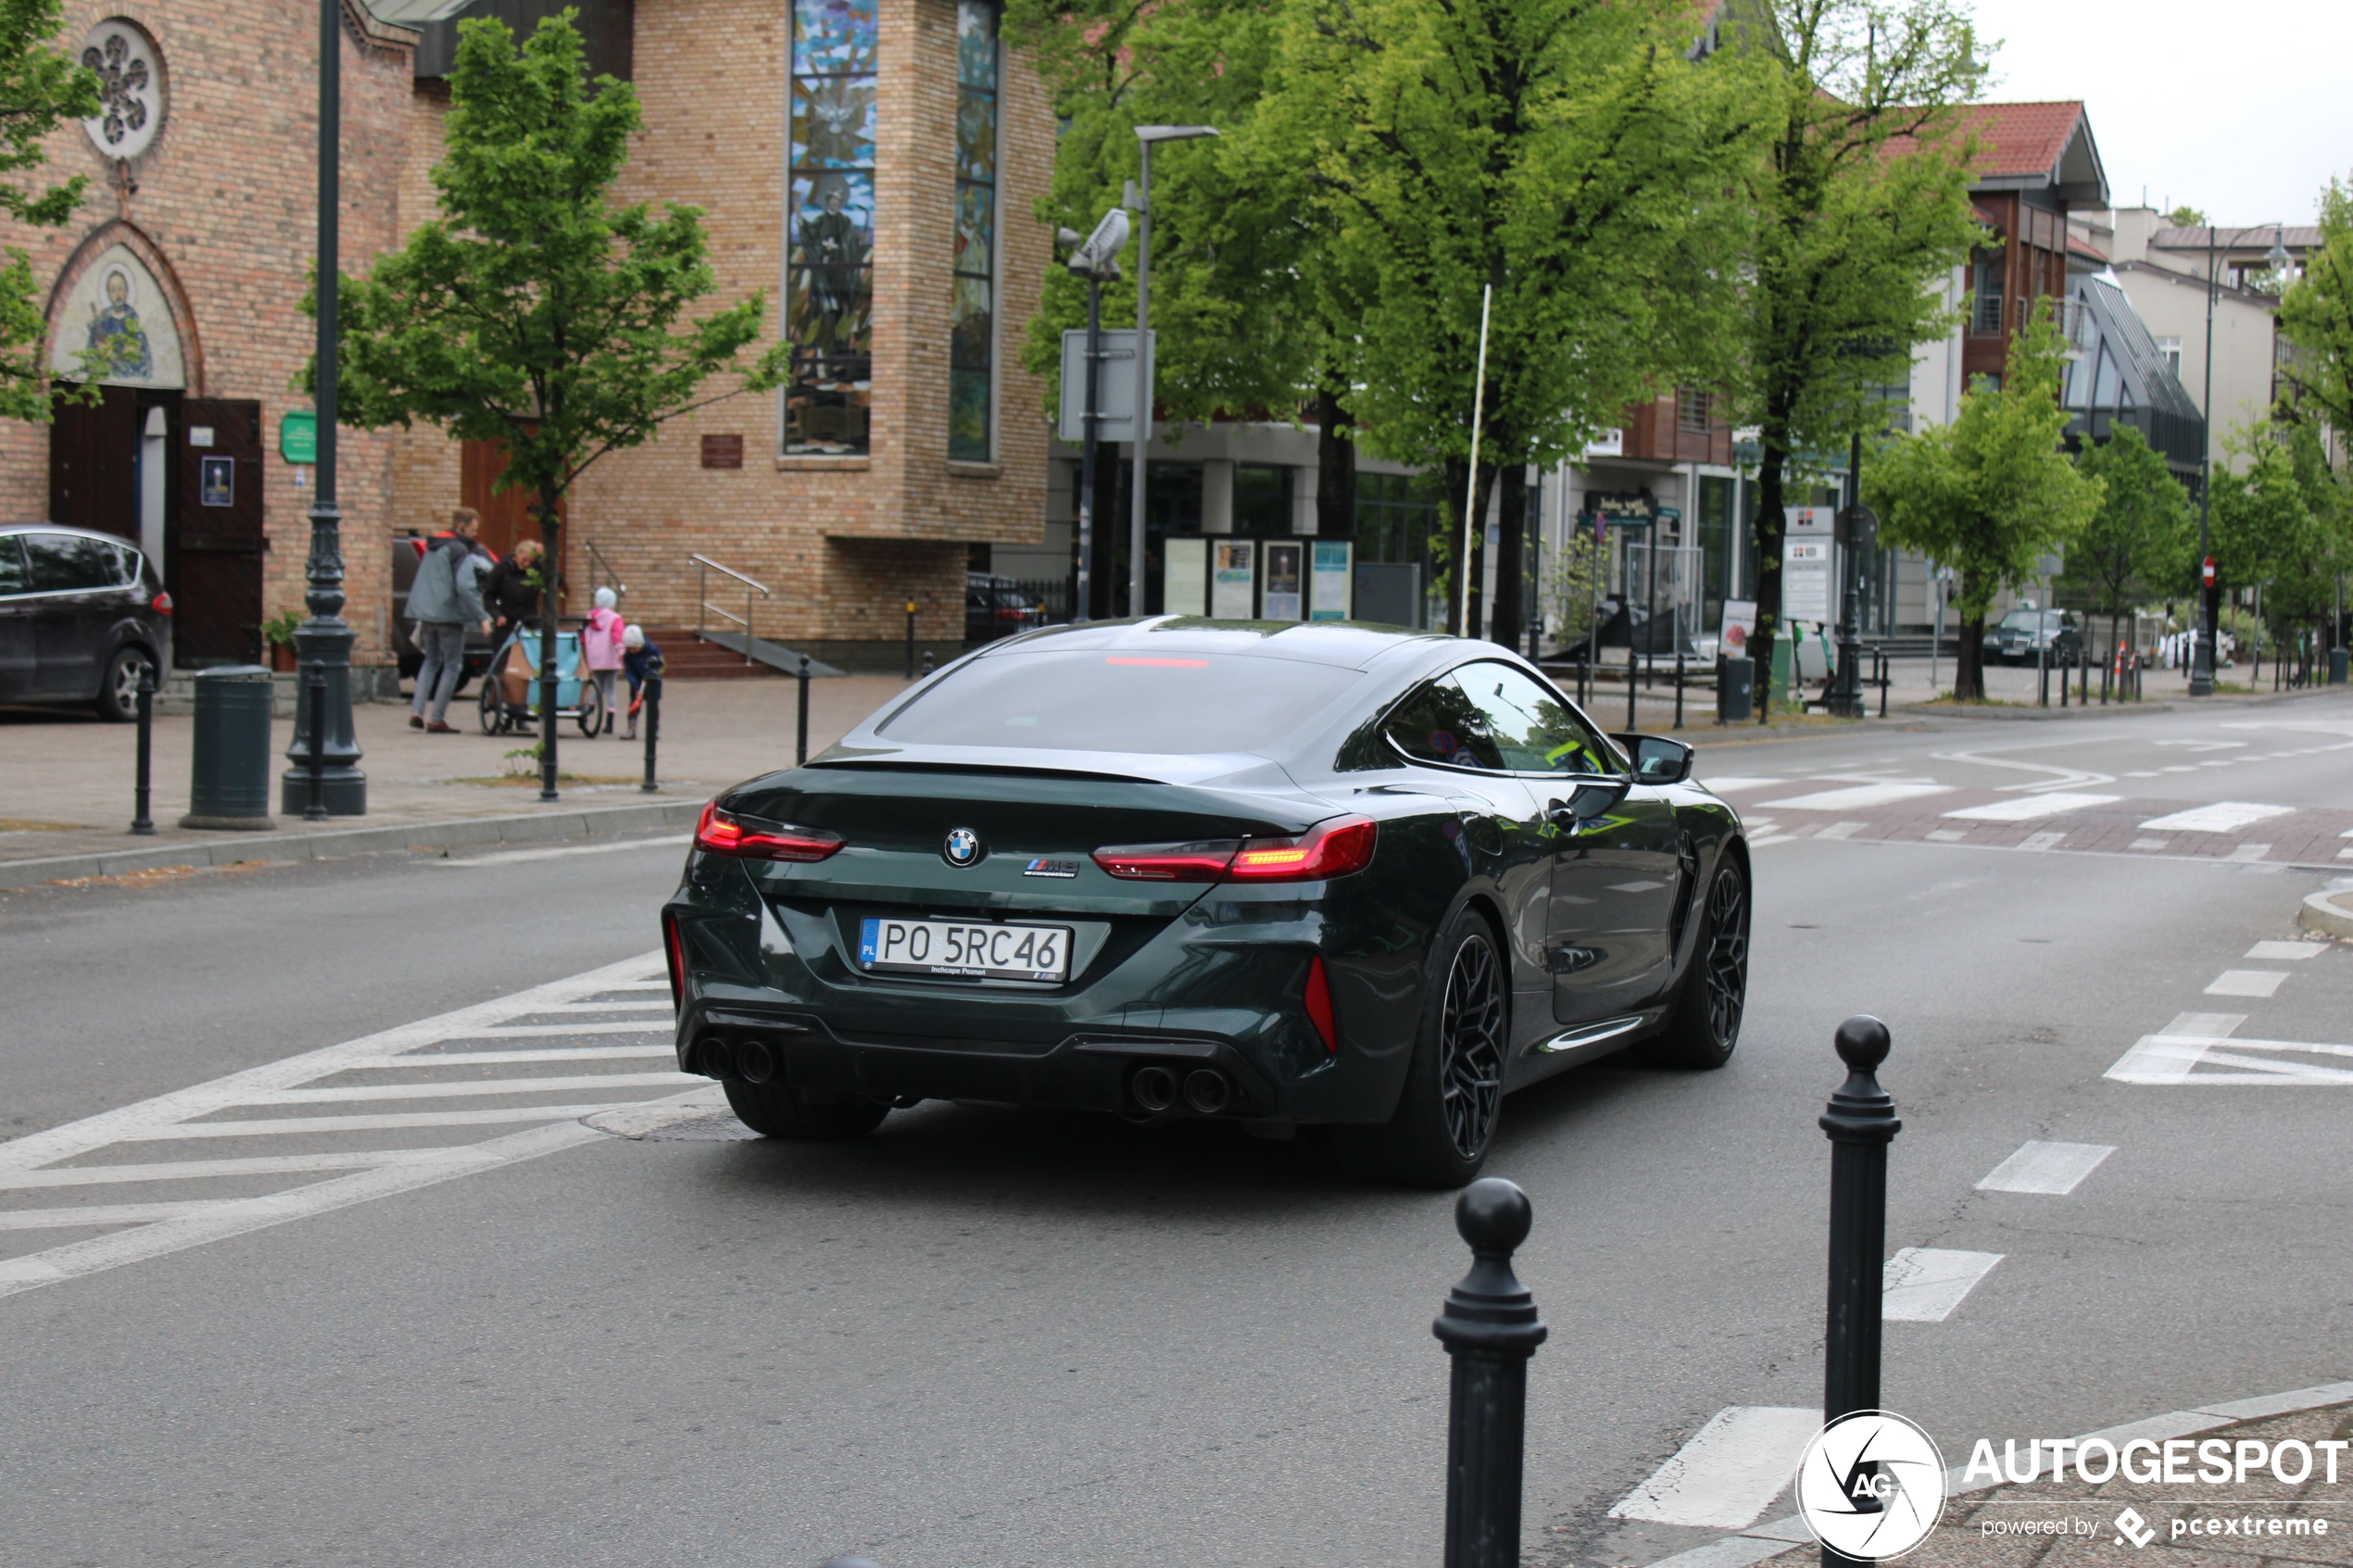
(988, 1337)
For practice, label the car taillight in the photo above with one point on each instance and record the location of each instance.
(1319, 1003)
(1329, 849)
(722, 834)
(161, 603)
(675, 949)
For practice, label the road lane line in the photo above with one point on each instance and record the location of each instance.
(2036, 843)
(1720, 787)
(98, 1214)
(2289, 951)
(2223, 816)
(2167, 1056)
(1729, 1473)
(1925, 1284)
(490, 1058)
(2055, 1169)
(2247, 983)
(1842, 830)
(662, 1006)
(473, 1087)
(2026, 808)
(547, 1031)
(195, 1169)
(1860, 797)
(276, 1125)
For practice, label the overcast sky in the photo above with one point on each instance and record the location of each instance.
(2239, 109)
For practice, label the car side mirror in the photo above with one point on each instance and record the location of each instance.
(1658, 760)
(1588, 801)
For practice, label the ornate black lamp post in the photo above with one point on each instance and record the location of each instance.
(322, 643)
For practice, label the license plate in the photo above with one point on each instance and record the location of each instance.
(969, 951)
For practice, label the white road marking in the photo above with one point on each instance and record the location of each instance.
(1859, 797)
(1772, 838)
(2150, 842)
(149, 1229)
(1722, 786)
(2286, 950)
(2247, 852)
(2055, 777)
(1946, 835)
(2247, 983)
(1925, 1284)
(2036, 842)
(1842, 830)
(517, 857)
(2169, 1059)
(2142, 773)
(2205, 745)
(2223, 816)
(1729, 1473)
(2055, 1169)
(2026, 808)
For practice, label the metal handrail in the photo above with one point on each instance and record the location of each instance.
(704, 566)
(597, 562)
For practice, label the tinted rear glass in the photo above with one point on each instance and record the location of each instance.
(11, 566)
(1162, 704)
(64, 561)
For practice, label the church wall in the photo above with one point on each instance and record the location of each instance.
(424, 462)
(227, 195)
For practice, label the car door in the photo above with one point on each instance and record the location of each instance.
(72, 581)
(16, 623)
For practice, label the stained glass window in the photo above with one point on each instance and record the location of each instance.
(972, 330)
(830, 227)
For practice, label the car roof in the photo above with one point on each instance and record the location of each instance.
(68, 528)
(1350, 644)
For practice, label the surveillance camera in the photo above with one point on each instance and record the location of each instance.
(1103, 247)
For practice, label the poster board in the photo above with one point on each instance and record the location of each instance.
(1233, 579)
(1808, 555)
(1283, 600)
(1184, 577)
(1740, 625)
(1331, 580)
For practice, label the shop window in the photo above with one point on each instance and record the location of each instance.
(972, 331)
(1715, 531)
(1262, 500)
(1395, 513)
(830, 272)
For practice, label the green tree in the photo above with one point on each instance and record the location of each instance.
(1863, 207)
(534, 312)
(2281, 527)
(2186, 217)
(2139, 541)
(2316, 317)
(41, 88)
(1991, 492)
(1567, 154)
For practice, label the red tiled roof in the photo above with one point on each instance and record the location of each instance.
(2014, 139)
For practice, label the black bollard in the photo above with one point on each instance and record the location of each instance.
(927, 664)
(1860, 1121)
(800, 742)
(911, 639)
(141, 823)
(1629, 683)
(315, 683)
(1490, 1327)
(653, 733)
(1679, 679)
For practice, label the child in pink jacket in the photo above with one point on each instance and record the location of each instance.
(600, 649)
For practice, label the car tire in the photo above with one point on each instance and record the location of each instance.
(1446, 1116)
(775, 1110)
(1705, 1023)
(118, 698)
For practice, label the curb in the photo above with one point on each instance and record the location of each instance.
(524, 828)
(2331, 914)
(1771, 1539)
(1999, 713)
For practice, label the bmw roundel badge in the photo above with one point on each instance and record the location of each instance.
(962, 848)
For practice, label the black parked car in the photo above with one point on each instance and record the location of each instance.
(2018, 636)
(1285, 874)
(82, 615)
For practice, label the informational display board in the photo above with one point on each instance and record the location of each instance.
(1331, 580)
(1283, 600)
(1808, 564)
(1114, 384)
(1233, 579)
(1740, 625)
(1184, 577)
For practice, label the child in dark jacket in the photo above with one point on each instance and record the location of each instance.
(641, 662)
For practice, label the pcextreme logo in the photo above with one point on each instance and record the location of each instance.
(1871, 1486)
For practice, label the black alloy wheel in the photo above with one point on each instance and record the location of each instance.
(1705, 1022)
(118, 693)
(1470, 1048)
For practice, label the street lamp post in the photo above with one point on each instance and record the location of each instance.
(2202, 644)
(1097, 260)
(1147, 135)
(323, 643)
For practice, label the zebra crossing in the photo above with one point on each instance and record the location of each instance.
(373, 1116)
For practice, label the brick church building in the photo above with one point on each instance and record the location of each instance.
(870, 166)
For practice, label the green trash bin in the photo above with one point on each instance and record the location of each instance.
(229, 778)
(1736, 690)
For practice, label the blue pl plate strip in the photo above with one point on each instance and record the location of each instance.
(867, 940)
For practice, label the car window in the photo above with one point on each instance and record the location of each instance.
(62, 562)
(11, 566)
(1533, 728)
(1158, 704)
(1439, 724)
(2019, 621)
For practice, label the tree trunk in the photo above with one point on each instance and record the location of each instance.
(551, 605)
(1770, 521)
(1463, 555)
(1510, 627)
(1969, 659)
(1335, 463)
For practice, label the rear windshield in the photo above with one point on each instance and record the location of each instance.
(1162, 704)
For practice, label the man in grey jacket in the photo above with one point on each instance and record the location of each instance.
(444, 600)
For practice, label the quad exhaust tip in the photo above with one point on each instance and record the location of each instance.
(713, 1056)
(1206, 1091)
(1155, 1088)
(755, 1062)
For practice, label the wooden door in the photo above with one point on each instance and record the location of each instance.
(93, 464)
(507, 520)
(217, 537)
